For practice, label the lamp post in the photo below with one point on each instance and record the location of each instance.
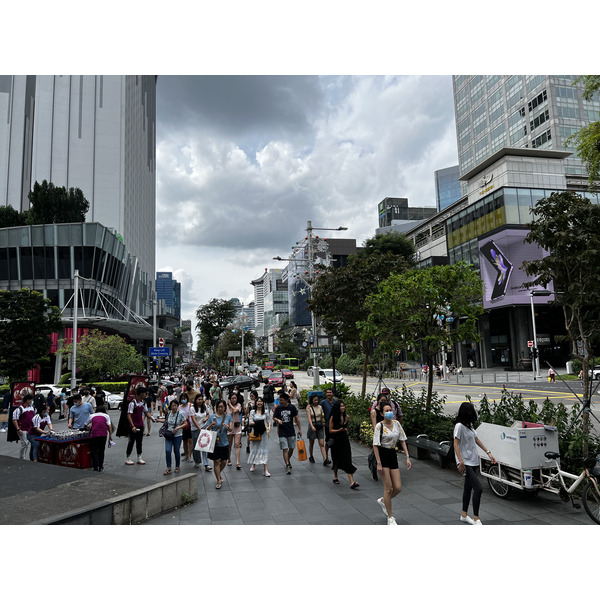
(310, 282)
(536, 354)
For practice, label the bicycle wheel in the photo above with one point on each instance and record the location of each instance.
(499, 488)
(591, 502)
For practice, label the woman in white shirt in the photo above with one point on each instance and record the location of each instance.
(386, 435)
(467, 459)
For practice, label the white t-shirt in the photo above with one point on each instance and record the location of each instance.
(38, 420)
(200, 416)
(390, 437)
(466, 445)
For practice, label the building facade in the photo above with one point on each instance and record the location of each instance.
(447, 187)
(168, 295)
(94, 132)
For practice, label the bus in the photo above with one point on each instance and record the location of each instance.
(289, 363)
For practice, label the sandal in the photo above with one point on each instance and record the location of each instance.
(354, 485)
(336, 481)
(218, 486)
(238, 467)
(229, 463)
(176, 469)
(167, 472)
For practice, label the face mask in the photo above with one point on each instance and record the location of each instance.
(389, 415)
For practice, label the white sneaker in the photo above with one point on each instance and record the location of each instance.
(141, 461)
(129, 461)
(478, 522)
(467, 519)
(392, 521)
(383, 508)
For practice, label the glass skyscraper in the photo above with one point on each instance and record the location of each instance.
(447, 187)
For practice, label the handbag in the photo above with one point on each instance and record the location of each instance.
(207, 439)
(253, 437)
(301, 450)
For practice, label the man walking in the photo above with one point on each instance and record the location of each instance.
(285, 415)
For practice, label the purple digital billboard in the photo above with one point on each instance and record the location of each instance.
(500, 258)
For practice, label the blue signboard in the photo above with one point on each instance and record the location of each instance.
(156, 351)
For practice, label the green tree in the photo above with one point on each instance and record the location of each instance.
(101, 356)
(213, 319)
(26, 321)
(52, 204)
(232, 340)
(403, 313)
(9, 217)
(338, 295)
(566, 225)
(587, 139)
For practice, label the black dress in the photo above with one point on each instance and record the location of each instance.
(341, 453)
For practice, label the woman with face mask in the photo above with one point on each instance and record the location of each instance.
(386, 435)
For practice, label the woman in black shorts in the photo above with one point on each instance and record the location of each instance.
(386, 435)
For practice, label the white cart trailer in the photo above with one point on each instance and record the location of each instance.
(519, 451)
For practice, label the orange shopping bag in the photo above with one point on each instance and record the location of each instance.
(301, 450)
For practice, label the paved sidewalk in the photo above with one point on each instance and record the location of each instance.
(431, 495)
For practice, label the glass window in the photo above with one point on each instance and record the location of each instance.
(26, 263)
(49, 235)
(511, 205)
(3, 264)
(50, 270)
(37, 235)
(64, 262)
(524, 206)
(88, 261)
(39, 262)
(13, 264)
(52, 295)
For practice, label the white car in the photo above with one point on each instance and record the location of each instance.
(113, 400)
(44, 389)
(326, 375)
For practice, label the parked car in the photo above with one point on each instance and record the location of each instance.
(244, 382)
(592, 374)
(276, 378)
(44, 389)
(114, 400)
(326, 375)
(264, 375)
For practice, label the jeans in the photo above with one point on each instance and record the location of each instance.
(35, 446)
(173, 445)
(196, 453)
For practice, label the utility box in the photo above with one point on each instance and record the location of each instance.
(521, 446)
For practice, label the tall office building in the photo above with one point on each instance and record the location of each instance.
(94, 132)
(268, 290)
(519, 111)
(168, 294)
(447, 187)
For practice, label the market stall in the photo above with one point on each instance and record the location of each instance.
(66, 449)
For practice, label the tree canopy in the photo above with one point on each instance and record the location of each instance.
(566, 225)
(101, 356)
(404, 311)
(587, 139)
(52, 204)
(213, 319)
(392, 242)
(9, 217)
(26, 321)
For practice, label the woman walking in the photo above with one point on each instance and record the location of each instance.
(250, 405)
(294, 394)
(235, 410)
(198, 418)
(221, 422)
(260, 423)
(175, 423)
(341, 453)
(316, 427)
(386, 435)
(467, 460)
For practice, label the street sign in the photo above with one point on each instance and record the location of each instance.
(321, 350)
(234, 353)
(530, 344)
(161, 342)
(157, 351)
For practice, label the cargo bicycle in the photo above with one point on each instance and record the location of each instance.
(528, 459)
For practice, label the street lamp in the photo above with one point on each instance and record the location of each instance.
(536, 354)
(310, 283)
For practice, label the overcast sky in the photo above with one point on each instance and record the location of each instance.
(243, 162)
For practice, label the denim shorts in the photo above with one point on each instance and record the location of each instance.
(319, 434)
(287, 443)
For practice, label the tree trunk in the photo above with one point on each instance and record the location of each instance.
(365, 367)
(429, 383)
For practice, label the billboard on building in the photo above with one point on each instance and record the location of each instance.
(500, 259)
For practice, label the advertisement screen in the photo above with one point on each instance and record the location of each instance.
(500, 259)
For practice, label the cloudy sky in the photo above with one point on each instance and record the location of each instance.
(243, 162)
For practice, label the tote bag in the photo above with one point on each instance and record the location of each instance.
(207, 440)
(301, 450)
